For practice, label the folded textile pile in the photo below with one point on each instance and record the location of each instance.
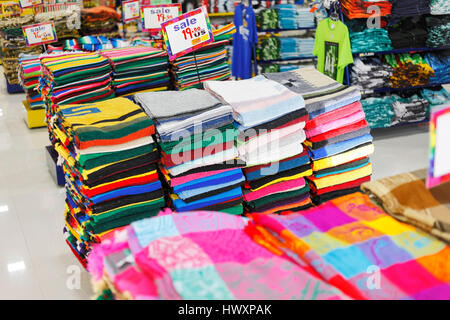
(267, 19)
(370, 40)
(209, 62)
(440, 63)
(66, 22)
(379, 112)
(71, 45)
(198, 255)
(75, 77)
(428, 210)
(137, 69)
(196, 139)
(349, 240)
(292, 16)
(296, 47)
(435, 97)
(360, 8)
(100, 20)
(29, 73)
(109, 160)
(409, 8)
(439, 7)
(370, 73)
(12, 43)
(408, 33)
(95, 43)
(270, 119)
(409, 109)
(409, 70)
(268, 48)
(337, 134)
(438, 31)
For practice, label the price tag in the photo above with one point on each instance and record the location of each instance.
(153, 16)
(38, 34)
(130, 10)
(187, 33)
(439, 168)
(29, 3)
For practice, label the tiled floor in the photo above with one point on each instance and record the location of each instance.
(35, 262)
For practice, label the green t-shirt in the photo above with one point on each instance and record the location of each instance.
(332, 48)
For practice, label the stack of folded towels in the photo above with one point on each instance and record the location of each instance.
(75, 77)
(196, 137)
(292, 16)
(211, 61)
(291, 48)
(29, 73)
(137, 69)
(270, 119)
(338, 136)
(109, 160)
(95, 43)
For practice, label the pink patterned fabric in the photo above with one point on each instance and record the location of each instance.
(204, 255)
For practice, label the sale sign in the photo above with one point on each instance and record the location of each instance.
(38, 34)
(154, 15)
(439, 155)
(187, 32)
(130, 10)
(29, 3)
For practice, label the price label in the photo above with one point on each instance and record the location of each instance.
(29, 3)
(38, 34)
(130, 10)
(154, 15)
(439, 152)
(187, 33)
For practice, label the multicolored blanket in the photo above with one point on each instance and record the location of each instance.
(361, 250)
(199, 255)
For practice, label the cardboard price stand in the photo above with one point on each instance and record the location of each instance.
(154, 15)
(187, 33)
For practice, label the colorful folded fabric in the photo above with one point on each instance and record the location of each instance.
(145, 263)
(429, 209)
(138, 69)
(109, 159)
(271, 120)
(360, 249)
(196, 136)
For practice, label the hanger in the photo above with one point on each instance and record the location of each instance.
(334, 11)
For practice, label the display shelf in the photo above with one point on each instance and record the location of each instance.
(281, 30)
(381, 90)
(406, 50)
(221, 14)
(404, 124)
(288, 59)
